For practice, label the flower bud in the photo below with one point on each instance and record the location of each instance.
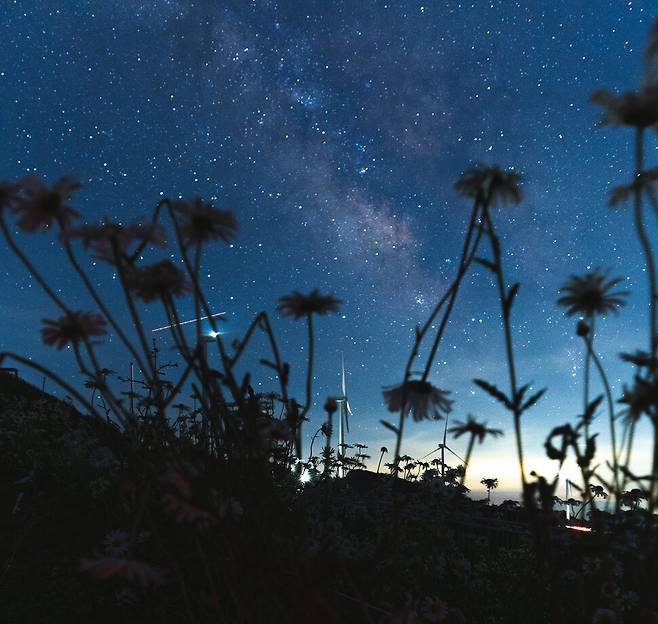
(582, 329)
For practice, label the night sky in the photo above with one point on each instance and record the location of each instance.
(335, 131)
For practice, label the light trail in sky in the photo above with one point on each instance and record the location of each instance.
(202, 318)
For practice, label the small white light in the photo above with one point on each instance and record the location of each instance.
(305, 477)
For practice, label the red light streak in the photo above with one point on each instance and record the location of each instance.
(575, 527)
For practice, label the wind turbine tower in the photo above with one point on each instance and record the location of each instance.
(344, 413)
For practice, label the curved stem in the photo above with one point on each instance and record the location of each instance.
(101, 305)
(509, 351)
(31, 268)
(588, 358)
(611, 413)
(464, 263)
(466, 259)
(467, 459)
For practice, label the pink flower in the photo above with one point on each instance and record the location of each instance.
(179, 503)
(202, 222)
(159, 280)
(131, 569)
(185, 512)
(72, 328)
(40, 205)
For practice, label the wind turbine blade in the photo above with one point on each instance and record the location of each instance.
(447, 448)
(343, 382)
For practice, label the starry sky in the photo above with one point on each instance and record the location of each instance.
(335, 131)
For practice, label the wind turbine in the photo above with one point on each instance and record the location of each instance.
(443, 448)
(344, 412)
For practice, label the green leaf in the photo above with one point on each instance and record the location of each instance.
(487, 263)
(532, 400)
(511, 294)
(494, 392)
(388, 425)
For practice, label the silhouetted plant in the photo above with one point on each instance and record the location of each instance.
(490, 484)
(638, 110)
(497, 186)
(477, 432)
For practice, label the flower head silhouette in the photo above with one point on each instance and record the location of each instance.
(591, 294)
(157, 281)
(202, 222)
(421, 398)
(490, 182)
(39, 205)
(72, 328)
(476, 429)
(108, 239)
(299, 306)
(638, 109)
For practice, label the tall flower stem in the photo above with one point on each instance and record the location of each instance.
(467, 459)
(31, 268)
(101, 305)
(611, 414)
(309, 386)
(464, 263)
(588, 359)
(645, 243)
(468, 253)
(507, 329)
(653, 301)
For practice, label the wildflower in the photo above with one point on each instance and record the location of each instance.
(299, 306)
(491, 182)
(178, 502)
(115, 543)
(638, 109)
(331, 405)
(40, 205)
(72, 328)
(186, 512)
(109, 240)
(201, 222)
(118, 567)
(478, 430)
(640, 399)
(421, 398)
(590, 295)
(157, 281)
(640, 358)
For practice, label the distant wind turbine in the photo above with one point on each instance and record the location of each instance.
(443, 448)
(344, 412)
